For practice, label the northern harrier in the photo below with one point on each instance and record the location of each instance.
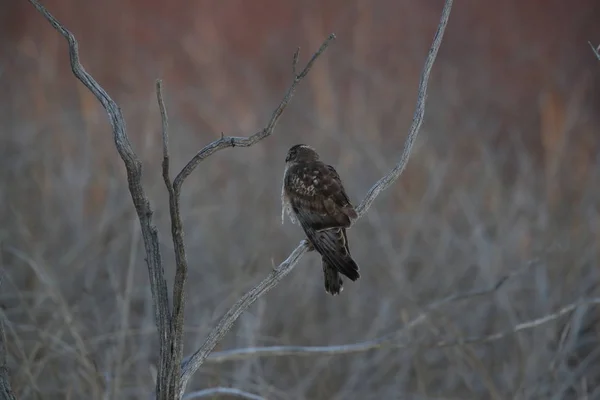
(313, 194)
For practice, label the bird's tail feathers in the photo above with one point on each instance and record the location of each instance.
(347, 266)
(332, 244)
(333, 280)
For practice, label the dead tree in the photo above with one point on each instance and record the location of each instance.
(173, 374)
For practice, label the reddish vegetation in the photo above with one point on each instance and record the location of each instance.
(505, 171)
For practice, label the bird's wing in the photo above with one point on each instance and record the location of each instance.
(286, 207)
(333, 246)
(339, 193)
(317, 196)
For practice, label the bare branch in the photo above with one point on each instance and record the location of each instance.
(229, 141)
(165, 134)
(596, 50)
(392, 340)
(222, 390)
(140, 200)
(170, 329)
(389, 340)
(417, 121)
(227, 321)
(520, 327)
(176, 327)
(176, 224)
(476, 293)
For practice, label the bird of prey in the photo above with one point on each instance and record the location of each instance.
(313, 195)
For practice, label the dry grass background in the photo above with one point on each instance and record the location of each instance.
(505, 172)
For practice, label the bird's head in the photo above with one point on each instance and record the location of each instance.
(301, 153)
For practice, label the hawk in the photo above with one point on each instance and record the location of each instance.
(313, 195)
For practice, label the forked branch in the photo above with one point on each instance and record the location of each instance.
(174, 190)
(171, 384)
(229, 141)
(169, 325)
(141, 203)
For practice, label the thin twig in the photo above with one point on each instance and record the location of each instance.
(141, 203)
(165, 134)
(222, 390)
(417, 121)
(227, 321)
(519, 327)
(229, 141)
(389, 340)
(482, 292)
(392, 340)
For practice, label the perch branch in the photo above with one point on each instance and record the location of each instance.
(170, 328)
(141, 203)
(174, 190)
(174, 196)
(227, 321)
(149, 232)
